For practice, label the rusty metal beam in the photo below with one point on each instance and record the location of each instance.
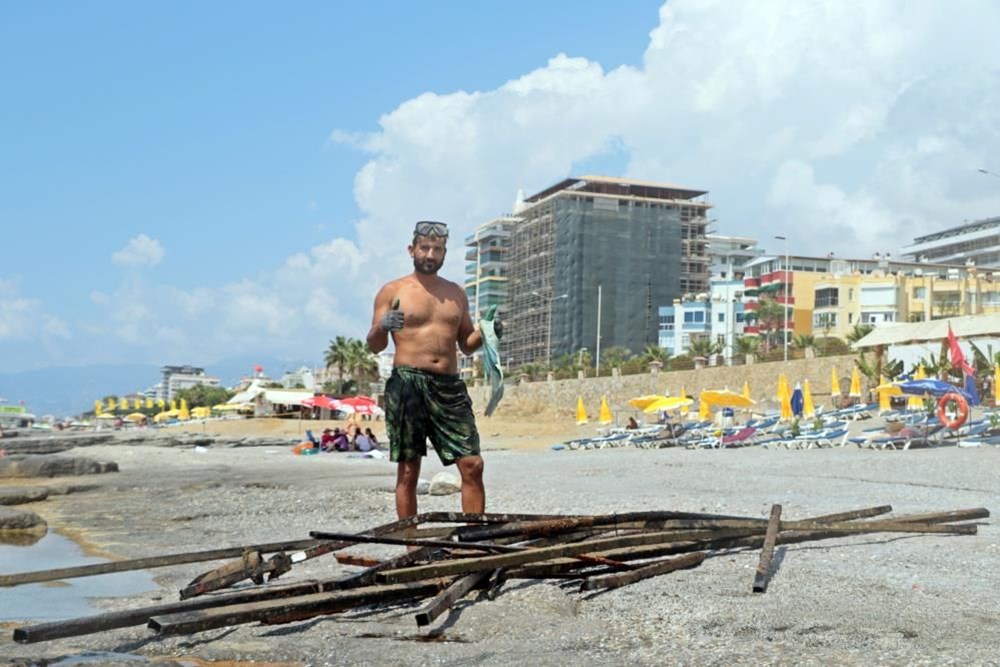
(653, 569)
(763, 575)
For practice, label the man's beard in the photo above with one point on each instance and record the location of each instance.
(428, 267)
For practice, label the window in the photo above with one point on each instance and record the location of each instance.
(919, 292)
(824, 320)
(850, 318)
(689, 317)
(850, 294)
(740, 318)
(827, 297)
(722, 317)
(699, 316)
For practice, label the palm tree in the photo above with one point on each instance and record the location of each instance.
(858, 332)
(772, 316)
(748, 346)
(615, 356)
(361, 363)
(655, 353)
(807, 343)
(703, 348)
(337, 356)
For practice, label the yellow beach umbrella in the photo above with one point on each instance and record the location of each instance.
(917, 402)
(723, 398)
(996, 384)
(855, 383)
(149, 404)
(808, 409)
(884, 402)
(173, 406)
(201, 413)
(785, 398)
(135, 417)
(98, 407)
(161, 404)
(137, 404)
(606, 417)
(668, 403)
(704, 411)
(834, 382)
(123, 403)
(581, 411)
(643, 402)
(184, 404)
(684, 408)
(746, 389)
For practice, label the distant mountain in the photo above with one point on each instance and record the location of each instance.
(71, 390)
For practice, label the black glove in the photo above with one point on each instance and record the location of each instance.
(392, 320)
(498, 328)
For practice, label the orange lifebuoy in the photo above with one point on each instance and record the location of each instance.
(963, 410)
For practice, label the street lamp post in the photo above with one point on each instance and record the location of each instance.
(784, 320)
(548, 335)
(597, 360)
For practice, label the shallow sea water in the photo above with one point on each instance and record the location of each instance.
(56, 600)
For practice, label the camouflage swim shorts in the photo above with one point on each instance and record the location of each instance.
(420, 405)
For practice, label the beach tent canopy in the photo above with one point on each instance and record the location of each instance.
(286, 397)
(969, 326)
(247, 395)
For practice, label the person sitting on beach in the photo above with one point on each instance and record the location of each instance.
(326, 440)
(340, 442)
(632, 424)
(362, 443)
(371, 436)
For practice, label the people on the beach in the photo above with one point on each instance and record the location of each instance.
(427, 317)
(371, 436)
(632, 424)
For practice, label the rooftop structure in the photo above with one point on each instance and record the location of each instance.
(730, 254)
(974, 242)
(592, 259)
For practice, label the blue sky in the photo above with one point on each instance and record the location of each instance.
(187, 181)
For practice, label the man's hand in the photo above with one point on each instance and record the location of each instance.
(392, 320)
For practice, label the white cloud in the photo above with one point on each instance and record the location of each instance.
(24, 318)
(849, 127)
(140, 251)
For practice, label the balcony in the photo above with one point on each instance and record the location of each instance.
(750, 306)
(751, 330)
(785, 300)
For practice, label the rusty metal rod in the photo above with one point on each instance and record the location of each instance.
(149, 563)
(763, 574)
(315, 604)
(654, 569)
(447, 598)
(467, 565)
(439, 544)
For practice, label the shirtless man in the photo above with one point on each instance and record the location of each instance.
(424, 397)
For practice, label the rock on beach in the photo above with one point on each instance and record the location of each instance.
(12, 520)
(18, 495)
(29, 465)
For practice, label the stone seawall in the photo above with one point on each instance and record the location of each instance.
(561, 395)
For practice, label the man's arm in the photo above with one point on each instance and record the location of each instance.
(378, 338)
(470, 338)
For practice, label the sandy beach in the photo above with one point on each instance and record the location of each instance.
(877, 598)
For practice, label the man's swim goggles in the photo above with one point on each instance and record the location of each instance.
(431, 229)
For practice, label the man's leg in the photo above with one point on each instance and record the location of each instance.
(407, 476)
(473, 491)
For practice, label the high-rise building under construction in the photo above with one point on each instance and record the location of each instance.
(593, 258)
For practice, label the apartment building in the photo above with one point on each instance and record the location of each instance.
(973, 244)
(593, 258)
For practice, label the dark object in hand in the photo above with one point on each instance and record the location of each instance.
(392, 320)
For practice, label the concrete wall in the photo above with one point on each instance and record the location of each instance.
(533, 398)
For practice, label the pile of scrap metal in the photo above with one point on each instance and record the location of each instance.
(450, 554)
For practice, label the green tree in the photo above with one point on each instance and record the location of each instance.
(338, 356)
(771, 317)
(361, 363)
(615, 356)
(203, 396)
(655, 353)
(703, 347)
(858, 332)
(747, 344)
